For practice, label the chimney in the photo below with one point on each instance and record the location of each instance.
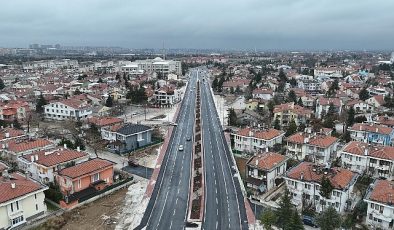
(36, 156)
(266, 149)
(12, 125)
(250, 133)
(32, 158)
(78, 149)
(306, 140)
(7, 135)
(302, 176)
(13, 185)
(366, 152)
(257, 162)
(65, 146)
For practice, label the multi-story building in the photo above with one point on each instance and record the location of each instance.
(285, 113)
(304, 184)
(375, 160)
(263, 170)
(167, 96)
(157, 65)
(71, 108)
(14, 110)
(309, 85)
(359, 106)
(317, 147)
(21, 200)
(42, 165)
(252, 141)
(323, 105)
(328, 72)
(372, 133)
(15, 148)
(261, 93)
(380, 198)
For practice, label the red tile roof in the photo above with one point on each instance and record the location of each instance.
(322, 141)
(327, 101)
(86, 167)
(376, 151)
(23, 186)
(266, 161)
(55, 156)
(12, 133)
(373, 128)
(383, 192)
(293, 108)
(297, 138)
(265, 134)
(22, 146)
(339, 177)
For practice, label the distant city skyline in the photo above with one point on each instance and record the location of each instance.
(238, 25)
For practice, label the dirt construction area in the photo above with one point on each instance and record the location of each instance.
(99, 215)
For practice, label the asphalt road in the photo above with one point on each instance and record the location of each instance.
(224, 201)
(168, 206)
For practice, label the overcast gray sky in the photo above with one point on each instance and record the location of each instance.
(239, 24)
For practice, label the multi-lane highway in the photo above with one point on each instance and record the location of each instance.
(168, 206)
(224, 206)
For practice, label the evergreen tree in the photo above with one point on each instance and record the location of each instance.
(109, 102)
(79, 143)
(363, 94)
(77, 92)
(296, 222)
(41, 102)
(277, 124)
(326, 188)
(350, 117)
(232, 117)
(215, 84)
(232, 90)
(333, 88)
(291, 129)
(2, 86)
(16, 124)
(284, 212)
(292, 97)
(329, 219)
(300, 103)
(100, 80)
(268, 219)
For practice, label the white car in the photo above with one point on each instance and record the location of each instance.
(180, 148)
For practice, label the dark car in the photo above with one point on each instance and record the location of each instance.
(188, 138)
(133, 163)
(310, 221)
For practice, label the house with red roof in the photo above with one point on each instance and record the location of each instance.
(304, 183)
(287, 112)
(16, 148)
(42, 165)
(359, 106)
(7, 134)
(372, 133)
(21, 200)
(323, 105)
(375, 160)
(376, 101)
(254, 140)
(14, 110)
(380, 199)
(263, 170)
(317, 147)
(262, 93)
(84, 178)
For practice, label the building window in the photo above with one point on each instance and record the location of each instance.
(17, 220)
(96, 177)
(36, 207)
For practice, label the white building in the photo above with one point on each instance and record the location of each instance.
(157, 65)
(68, 109)
(167, 96)
(252, 141)
(380, 212)
(21, 200)
(304, 183)
(375, 160)
(323, 105)
(329, 72)
(263, 170)
(42, 165)
(309, 85)
(317, 147)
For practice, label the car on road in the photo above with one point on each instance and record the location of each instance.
(310, 221)
(189, 138)
(133, 114)
(180, 148)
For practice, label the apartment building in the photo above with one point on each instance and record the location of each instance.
(253, 140)
(72, 108)
(304, 183)
(167, 96)
(323, 105)
(375, 160)
(21, 200)
(317, 147)
(372, 133)
(328, 72)
(285, 113)
(157, 65)
(380, 212)
(263, 170)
